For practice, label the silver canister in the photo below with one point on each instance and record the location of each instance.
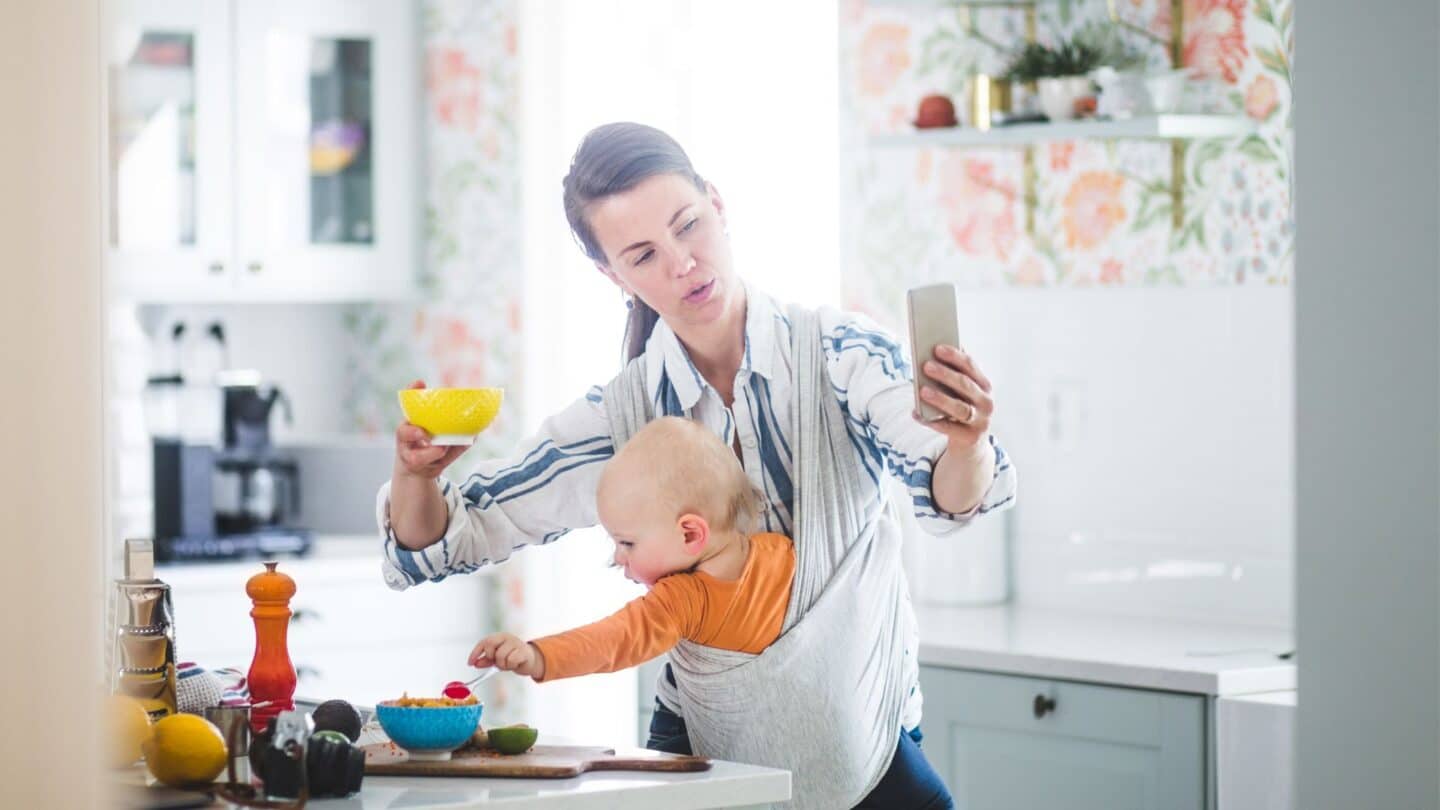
(144, 643)
(234, 725)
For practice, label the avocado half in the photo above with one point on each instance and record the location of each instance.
(512, 739)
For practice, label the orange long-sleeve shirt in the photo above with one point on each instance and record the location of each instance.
(743, 615)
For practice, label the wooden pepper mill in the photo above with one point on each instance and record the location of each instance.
(272, 676)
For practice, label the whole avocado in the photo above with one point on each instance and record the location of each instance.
(337, 715)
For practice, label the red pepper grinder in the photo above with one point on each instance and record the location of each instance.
(272, 676)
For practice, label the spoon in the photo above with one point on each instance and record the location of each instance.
(457, 686)
(482, 677)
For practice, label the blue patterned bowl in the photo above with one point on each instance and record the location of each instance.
(428, 732)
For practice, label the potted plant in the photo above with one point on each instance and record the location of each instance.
(1061, 71)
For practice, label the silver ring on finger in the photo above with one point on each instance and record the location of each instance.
(973, 412)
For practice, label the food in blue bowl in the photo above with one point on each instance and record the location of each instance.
(429, 728)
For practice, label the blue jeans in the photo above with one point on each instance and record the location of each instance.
(909, 783)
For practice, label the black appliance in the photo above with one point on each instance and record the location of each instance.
(247, 407)
(241, 499)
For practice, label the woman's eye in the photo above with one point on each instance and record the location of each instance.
(689, 225)
(644, 257)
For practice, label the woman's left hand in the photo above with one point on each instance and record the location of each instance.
(962, 394)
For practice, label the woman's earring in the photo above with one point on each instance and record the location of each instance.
(629, 302)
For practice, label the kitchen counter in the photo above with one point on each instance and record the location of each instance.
(1171, 655)
(1255, 750)
(331, 548)
(727, 784)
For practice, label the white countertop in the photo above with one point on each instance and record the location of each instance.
(332, 557)
(727, 784)
(1170, 655)
(1286, 700)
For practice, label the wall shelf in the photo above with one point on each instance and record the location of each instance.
(1160, 127)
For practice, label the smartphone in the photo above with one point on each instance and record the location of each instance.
(933, 322)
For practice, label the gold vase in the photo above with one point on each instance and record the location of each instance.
(988, 95)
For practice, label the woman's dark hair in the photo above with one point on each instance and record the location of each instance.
(615, 158)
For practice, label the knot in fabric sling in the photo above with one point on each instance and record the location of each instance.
(825, 700)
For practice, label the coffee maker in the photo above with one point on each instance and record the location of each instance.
(237, 498)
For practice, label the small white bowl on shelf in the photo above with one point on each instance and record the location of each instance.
(1166, 91)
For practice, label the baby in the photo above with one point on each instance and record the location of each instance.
(680, 511)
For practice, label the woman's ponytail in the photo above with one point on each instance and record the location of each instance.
(639, 323)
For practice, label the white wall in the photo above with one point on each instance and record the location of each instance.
(50, 419)
(298, 347)
(1368, 386)
(1152, 432)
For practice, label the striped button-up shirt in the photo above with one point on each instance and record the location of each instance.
(548, 486)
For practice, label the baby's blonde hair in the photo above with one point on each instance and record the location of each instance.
(688, 469)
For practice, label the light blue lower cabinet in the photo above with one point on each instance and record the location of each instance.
(1004, 742)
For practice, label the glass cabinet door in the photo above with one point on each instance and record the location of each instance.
(152, 140)
(168, 213)
(327, 157)
(341, 175)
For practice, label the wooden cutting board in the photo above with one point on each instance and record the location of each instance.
(540, 762)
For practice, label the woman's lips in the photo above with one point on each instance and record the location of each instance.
(701, 294)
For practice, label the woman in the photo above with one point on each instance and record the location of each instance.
(717, 351)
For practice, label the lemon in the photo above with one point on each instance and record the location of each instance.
(185, 750)
(129, 728)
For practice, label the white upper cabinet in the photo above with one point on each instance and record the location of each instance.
(263, 150)
(169, 148)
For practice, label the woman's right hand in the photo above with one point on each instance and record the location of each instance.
(416, 456)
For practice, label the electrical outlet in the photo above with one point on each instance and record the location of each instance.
(1065, 414)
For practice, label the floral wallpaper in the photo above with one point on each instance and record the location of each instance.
(1102, 209)
(466, 329)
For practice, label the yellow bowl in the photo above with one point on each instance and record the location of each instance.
(451, 415)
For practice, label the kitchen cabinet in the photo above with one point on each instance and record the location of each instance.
(262, 150)
(350, 636)
(1017, 742)
(1255, 738)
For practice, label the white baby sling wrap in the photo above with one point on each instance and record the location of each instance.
(825, 700)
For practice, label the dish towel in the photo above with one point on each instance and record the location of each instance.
(825, 700)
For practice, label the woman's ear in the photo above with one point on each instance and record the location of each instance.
(614, 279)
(715, 200)
(695, 531)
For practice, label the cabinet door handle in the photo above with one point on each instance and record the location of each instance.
(255, 267)
(216, 268)
(1043, 706)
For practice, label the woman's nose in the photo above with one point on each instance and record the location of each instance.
(681, 263)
